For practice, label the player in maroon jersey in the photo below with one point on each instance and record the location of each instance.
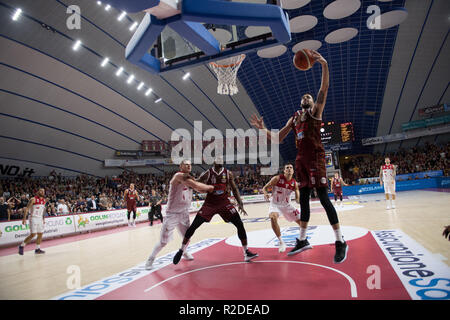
(131, 196)
(336, 187)
(217, 202)
(310, 161)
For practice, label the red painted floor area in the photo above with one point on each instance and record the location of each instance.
(219, 273)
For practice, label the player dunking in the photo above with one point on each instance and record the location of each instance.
(388, 172)
(218, 202)
(283, 185)
(37, 207)
(336, 187)
(177, 210)
(131, 196)
(310, 161)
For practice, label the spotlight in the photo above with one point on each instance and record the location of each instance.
(17, 14)
(158, 100)
(119, 72)
(148, 91)
(186, 76)
(133, 26)
(77, 45)
(130, 79)
(104, 62)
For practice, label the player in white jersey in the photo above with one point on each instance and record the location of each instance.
(388, 172)
(177, 210)
(283, 186)
(37, 207)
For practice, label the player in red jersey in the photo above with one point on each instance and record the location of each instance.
(336, 187)
(310, 161)
(388, 173)
(36, 208)
(283, 185)
(131, 196)
(217, 202)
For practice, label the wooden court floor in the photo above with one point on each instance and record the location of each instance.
(422, 215)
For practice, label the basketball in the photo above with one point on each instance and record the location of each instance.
(303, 59)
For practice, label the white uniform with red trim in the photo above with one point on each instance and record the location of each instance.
(36, 215)
(388, 178)
(177, 211)
(281, 199)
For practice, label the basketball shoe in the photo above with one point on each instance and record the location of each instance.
(39, 251)
(301, 245)
(149, 263)
(341, 251)
(250, 255)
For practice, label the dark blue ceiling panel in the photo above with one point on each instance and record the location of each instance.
(358, 74)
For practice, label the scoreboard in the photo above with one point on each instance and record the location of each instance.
(347, 134)
(334, 133)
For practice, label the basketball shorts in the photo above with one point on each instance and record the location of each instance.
(171, 221)
(311, 171)
(389, 187)
(131, 208)
(289, 212)
(338, 192)
(36, 225)
(226, 211)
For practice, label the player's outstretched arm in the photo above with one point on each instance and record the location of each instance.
(191, 183)
(273, 182)
(258, 123)
(323, 92)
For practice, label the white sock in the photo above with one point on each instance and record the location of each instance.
(22, 244)
(38, 246)
(338, 234)
(245, 249)
(302, 233)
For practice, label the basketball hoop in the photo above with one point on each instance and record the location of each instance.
(226, 71)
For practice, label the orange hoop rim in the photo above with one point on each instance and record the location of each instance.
(229, 65)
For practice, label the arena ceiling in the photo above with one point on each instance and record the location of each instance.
(59, 109)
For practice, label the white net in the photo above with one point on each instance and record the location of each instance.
(226, 72)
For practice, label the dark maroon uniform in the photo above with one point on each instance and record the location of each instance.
(217, 202)
(337, 187)
(131, 200)
(310, 161)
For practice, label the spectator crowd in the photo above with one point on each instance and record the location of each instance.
(429, 157)
(67, 195)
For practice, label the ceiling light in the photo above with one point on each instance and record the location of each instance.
(122, 15)
(148, 91)
(140, 86)
(104, 62)
(17, 14)
(133, 26)
(130, 79)
(186, 76)
(107, 7)
(99, 3)
(77, 45)
(119, 72)
(158, 100)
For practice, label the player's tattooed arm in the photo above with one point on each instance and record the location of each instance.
(203, 177)
(236, 194)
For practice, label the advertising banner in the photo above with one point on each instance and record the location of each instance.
(16, 232)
